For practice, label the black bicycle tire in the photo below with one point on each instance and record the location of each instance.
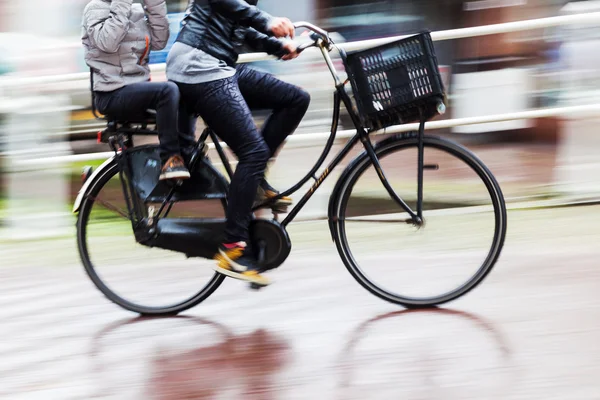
(83, 217)
(397, 143)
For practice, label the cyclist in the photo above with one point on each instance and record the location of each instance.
(202, 63)
(117, 37)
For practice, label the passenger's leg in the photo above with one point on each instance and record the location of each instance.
(132, 101)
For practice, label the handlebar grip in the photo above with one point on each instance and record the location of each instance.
(304, 46)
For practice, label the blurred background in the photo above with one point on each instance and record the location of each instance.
(45, 99)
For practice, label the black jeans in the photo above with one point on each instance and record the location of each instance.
(131, 102)
(225, 106)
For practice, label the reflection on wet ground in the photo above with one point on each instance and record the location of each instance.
(437, 353)
(405, 352)
(245, 363)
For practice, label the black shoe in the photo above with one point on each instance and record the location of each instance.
(236, 261)
(174, 169)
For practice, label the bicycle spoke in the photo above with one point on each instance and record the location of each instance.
(373, 220)
(389, 217)
(395, 218)
(109, 206)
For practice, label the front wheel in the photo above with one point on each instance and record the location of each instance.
(439, 261)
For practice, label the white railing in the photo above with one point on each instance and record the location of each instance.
(346, 134)
(588, 18)
(508, 27)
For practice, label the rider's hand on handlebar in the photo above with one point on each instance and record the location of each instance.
(292, 51)
(282, 27)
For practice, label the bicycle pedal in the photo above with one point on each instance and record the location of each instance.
(275, 209)
(172, 182)
(256, 286)
(279, 209)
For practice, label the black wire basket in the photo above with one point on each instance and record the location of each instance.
(396, 83)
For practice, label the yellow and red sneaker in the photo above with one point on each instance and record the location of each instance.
(235, 261)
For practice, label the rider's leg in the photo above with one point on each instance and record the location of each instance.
(132, 101)
(263, 91)
(223, 108)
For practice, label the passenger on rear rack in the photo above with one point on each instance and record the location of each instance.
(117, 37)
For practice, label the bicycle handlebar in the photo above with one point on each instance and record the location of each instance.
(324, 42)
(321, 33)
(305, 46)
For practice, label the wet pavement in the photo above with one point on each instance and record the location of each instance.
(530, 331)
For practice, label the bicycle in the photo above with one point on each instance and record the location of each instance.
(394, 83)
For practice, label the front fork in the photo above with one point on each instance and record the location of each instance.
(416, 218)
(420, 166)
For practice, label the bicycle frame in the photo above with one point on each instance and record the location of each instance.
(362, 135)
(200, 237)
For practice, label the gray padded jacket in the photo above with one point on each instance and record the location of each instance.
(117, 38)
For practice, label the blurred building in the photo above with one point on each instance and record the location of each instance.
(507, 73)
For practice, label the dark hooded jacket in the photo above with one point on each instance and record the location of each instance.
(222, 28)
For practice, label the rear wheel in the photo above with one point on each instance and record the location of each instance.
(463, 234)
(144, 280)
